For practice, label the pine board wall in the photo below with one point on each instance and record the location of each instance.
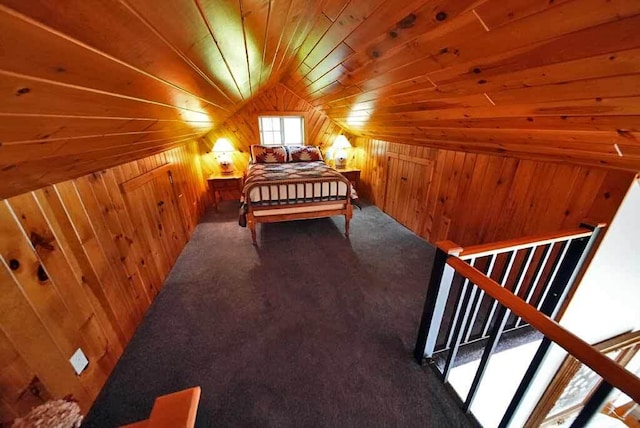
(80, 263)
(473, 198)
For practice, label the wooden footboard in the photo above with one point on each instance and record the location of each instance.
(322, 199)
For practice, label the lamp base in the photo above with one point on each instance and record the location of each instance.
(226, 168)
(341, 163)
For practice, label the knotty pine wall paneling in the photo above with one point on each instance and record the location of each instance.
(478, 198)
(80, 263)
(243, 131)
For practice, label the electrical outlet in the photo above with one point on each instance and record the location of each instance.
(79, 361)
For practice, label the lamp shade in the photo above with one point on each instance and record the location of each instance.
(340, 147)
(223, 150)
(341, 143)
(223, 145)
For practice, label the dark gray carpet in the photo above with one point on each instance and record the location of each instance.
(309, 329)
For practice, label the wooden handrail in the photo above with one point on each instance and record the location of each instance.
(521, 243)
(609, 370)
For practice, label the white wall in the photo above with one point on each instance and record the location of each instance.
(607, 302)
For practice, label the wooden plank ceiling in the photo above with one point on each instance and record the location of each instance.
(242, 128)
(88, 84)
(551, 80)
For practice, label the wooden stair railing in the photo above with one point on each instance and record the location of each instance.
(453, 261)
(176, 410)
(545, 268)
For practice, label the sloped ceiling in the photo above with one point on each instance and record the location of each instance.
(242, 128)
(87, 84)
(553, 80)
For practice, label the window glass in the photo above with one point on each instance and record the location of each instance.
(293, 131)
(278, 130)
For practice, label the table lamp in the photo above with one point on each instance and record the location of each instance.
(222, 149)
(340, 147)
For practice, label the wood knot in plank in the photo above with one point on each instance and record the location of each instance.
(441, 16)
(42, 274)
(40, 241)
(408, 21)
(34, 388)
(625, 134)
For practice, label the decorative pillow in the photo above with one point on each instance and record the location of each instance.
(304, 154)
(268, 154)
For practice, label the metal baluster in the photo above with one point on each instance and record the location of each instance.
(524, 269)
(531, 373)
(570, 270)
(503, 282)
(453, 352)
(480, 297)
(454, 319)
(593, 405)
(456, 313)
(556, 268)
(489, 349)
(538, 273)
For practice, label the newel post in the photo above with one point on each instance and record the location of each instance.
(434, 304)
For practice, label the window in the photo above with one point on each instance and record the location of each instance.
(281, 130)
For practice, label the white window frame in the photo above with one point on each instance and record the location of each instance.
(282, 116)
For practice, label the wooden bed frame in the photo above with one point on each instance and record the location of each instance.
(314, 204)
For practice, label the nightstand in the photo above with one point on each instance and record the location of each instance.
(219, 183)
(351, 174)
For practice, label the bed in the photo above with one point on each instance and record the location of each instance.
(292, 183)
